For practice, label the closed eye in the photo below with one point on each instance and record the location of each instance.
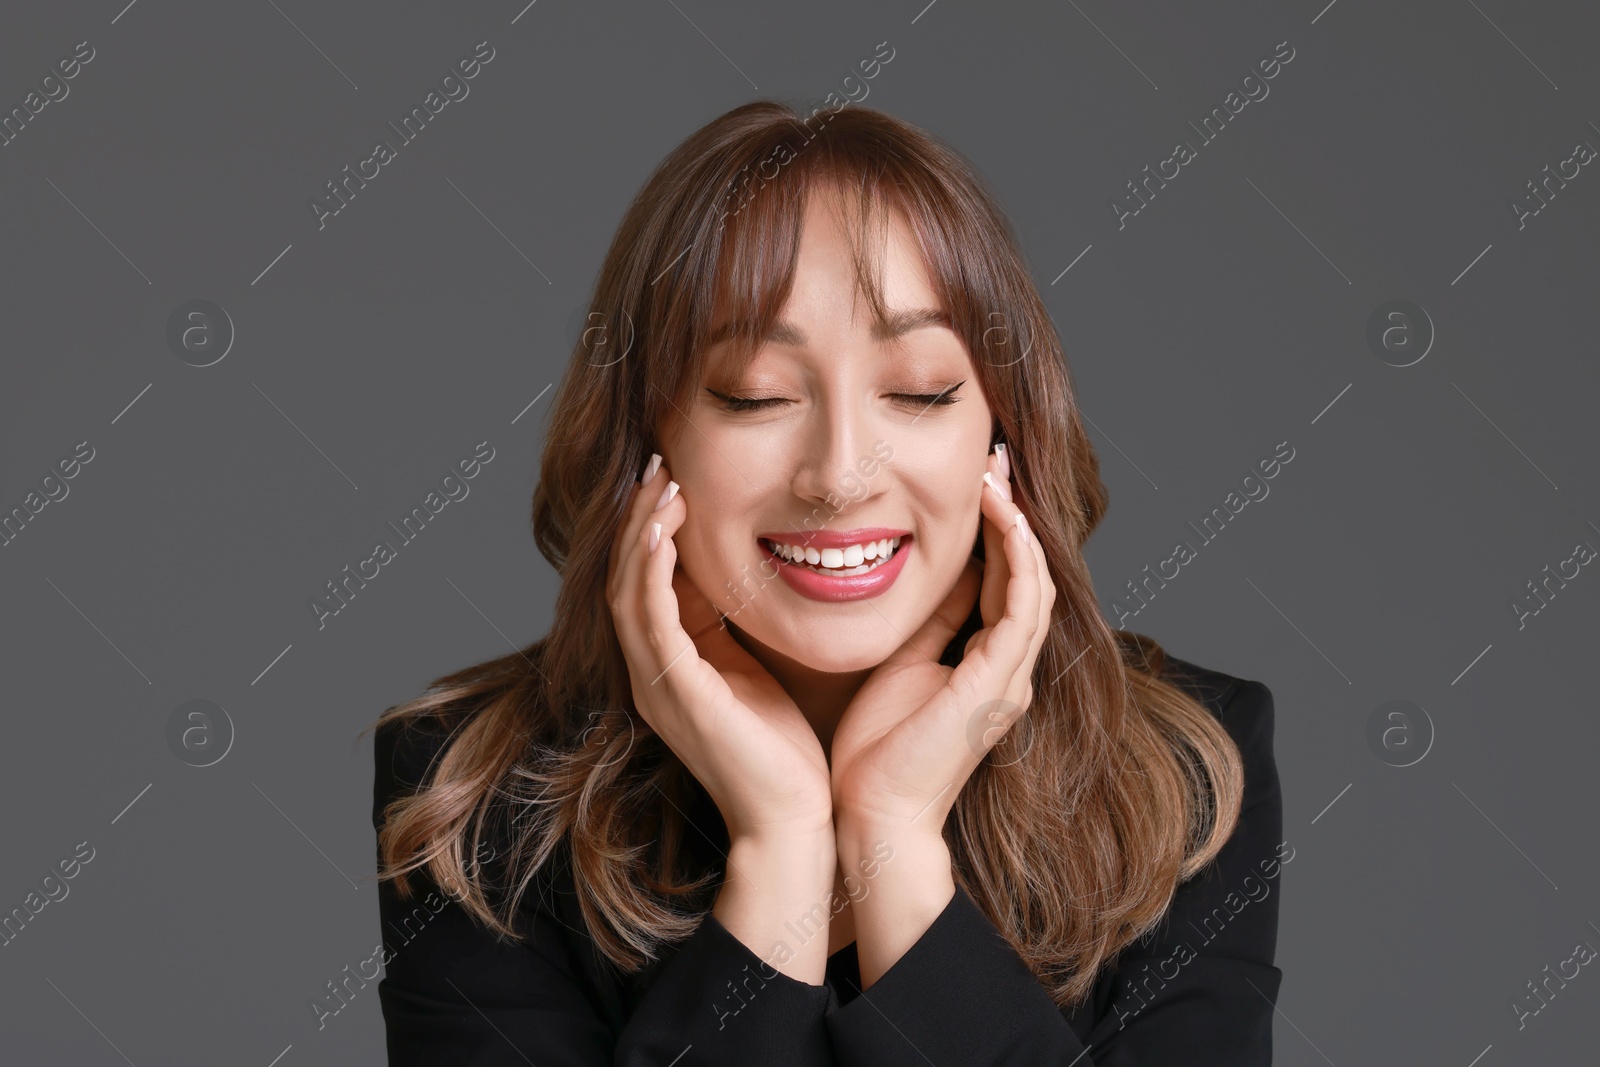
(939, 399)
(746, 403)
(920, 400)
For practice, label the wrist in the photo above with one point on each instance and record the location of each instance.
(900, 879)
(857, 837)
(881, 860)
(800, 857)
(780, 834)
(775, 900)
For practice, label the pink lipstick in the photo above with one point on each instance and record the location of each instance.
(839, 565)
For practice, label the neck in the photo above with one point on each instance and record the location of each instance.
(821, 696)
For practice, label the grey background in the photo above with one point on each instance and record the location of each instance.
(432, 312)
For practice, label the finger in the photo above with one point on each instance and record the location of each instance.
(623, 531)
(695, 610)
(1014, 631)
(703, 622)
(929, 642)
(1047, 585)
(996, 571)
(633, 539)
(633, 558)
(621, 579)
(1047, 599)
(640, 503)
(1002, 458)
(661, 658)
(648, 499)
(662, 624)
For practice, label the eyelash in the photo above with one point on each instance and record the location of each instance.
(756, 403)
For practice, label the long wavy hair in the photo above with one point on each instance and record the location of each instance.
(1072, 838)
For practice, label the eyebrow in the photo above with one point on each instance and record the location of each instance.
(901, 321)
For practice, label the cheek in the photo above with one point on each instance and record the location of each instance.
(700, 547)
(715, 547)
(705, 567)
(951, 504)
(947, 488)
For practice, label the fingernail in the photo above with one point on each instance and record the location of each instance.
(655, 536)
(1002, 491)
(1022, 524)
(1005, 460)
(651, 468)
(671, 491)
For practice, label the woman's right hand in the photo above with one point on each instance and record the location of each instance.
(729, 721)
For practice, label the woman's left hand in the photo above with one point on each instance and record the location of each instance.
(916, 729)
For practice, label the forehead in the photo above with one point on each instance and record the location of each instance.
(839, 257)
(898, 323)
(834, 232)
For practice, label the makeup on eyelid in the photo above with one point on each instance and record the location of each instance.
(739, 400)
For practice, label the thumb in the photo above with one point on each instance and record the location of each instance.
(705, 624)
(932, 636)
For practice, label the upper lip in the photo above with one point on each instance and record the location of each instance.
(820, 539)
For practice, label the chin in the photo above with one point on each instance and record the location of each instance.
(838, 650)
(834, 660)
(843, 637)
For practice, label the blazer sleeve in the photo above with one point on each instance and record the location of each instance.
(962, 997)
(453, 993)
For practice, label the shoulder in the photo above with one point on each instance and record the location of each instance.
(404, 751)
(1212, 900)
(1227, 909)
(1246, 711)
(1243, 706)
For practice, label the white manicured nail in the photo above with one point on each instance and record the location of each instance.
(1022, 524)
(1001, 490)
(1005, 460)
(651, 468)
(666, 496)
(655, 536)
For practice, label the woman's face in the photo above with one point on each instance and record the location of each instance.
(849, 449)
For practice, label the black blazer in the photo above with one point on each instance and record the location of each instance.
(1198, 990)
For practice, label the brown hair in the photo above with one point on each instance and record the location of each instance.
(1126, 785)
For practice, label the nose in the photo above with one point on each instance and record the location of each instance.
(834, 442)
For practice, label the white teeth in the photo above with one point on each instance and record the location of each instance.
(856, 559)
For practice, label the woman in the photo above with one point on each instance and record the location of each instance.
(830, 756)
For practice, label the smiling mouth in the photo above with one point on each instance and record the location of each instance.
(863, 558)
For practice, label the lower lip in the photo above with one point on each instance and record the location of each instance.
(814, 586)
